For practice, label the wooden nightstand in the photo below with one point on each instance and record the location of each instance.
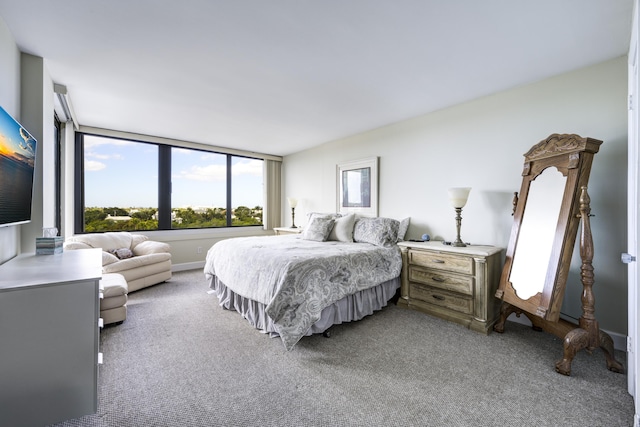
(286, 230)
(457, 284)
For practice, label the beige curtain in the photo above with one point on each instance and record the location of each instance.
(271, 215)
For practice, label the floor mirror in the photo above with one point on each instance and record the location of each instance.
(552, 205)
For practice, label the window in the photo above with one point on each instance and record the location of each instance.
(246, 190)
(131, 185)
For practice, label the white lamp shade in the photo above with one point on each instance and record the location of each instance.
(293, 202)
(458, 196)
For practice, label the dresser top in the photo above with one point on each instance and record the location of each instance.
(43, 270)
(436, 245)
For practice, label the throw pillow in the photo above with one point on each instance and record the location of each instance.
(377, 231)
(318, 229)
(122, 253)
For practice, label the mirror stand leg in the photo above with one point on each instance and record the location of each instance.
(588, 334)
(606, 344)
(579, 339)
(574, 341)
(506, 310)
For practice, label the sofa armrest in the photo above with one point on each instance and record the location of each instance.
(76, 245)
(151, 247)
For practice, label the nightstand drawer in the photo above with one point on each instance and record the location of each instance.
(442, 279)
(455, 263)
(444, 299)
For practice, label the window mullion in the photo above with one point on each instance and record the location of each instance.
(229, 207)
(164, 187)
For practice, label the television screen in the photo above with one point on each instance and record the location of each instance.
(17, 161)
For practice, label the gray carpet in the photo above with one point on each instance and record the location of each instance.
(181, 360)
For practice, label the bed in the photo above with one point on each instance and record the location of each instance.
(296, 285)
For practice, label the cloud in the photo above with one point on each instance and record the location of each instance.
(93, 141)
(212, 173)
(116, 156)
(204, 173)
(185, 151)
(93, 166)
(248, 167)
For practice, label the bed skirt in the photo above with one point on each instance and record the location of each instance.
(348, 309)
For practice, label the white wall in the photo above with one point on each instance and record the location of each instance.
(481, 144)
(37, 113)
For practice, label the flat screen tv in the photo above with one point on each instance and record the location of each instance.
(17, 161)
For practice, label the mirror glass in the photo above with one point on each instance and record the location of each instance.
(537, 232)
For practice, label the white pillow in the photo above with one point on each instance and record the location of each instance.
(343, 228)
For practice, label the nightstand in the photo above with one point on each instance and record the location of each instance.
(456, 284)
(287, 230)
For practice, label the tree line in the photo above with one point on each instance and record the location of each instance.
(141, 219)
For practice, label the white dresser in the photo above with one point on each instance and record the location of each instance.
(49, 336)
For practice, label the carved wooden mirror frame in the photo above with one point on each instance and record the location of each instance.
(572, 156)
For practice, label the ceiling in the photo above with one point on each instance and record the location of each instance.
(281, 76)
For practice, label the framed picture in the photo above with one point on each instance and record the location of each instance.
(358, 187)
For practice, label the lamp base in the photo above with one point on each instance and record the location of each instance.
(458, 242)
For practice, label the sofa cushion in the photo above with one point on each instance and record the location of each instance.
(108, 258)
(136, 262)
(113, 302)
(113, 285)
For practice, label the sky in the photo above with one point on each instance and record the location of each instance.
(120, 173)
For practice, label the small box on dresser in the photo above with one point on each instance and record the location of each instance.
(49, 245)
(455, 283)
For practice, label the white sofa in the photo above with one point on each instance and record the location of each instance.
(149, 262)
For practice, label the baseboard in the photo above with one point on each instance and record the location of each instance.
(619, 340)
(188, 266)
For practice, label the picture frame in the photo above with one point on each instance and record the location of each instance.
(357, 187)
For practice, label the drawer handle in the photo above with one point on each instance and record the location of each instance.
(438, 261)
(438, 279)
(438, 297)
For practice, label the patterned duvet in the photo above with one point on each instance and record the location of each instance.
(296, 279)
